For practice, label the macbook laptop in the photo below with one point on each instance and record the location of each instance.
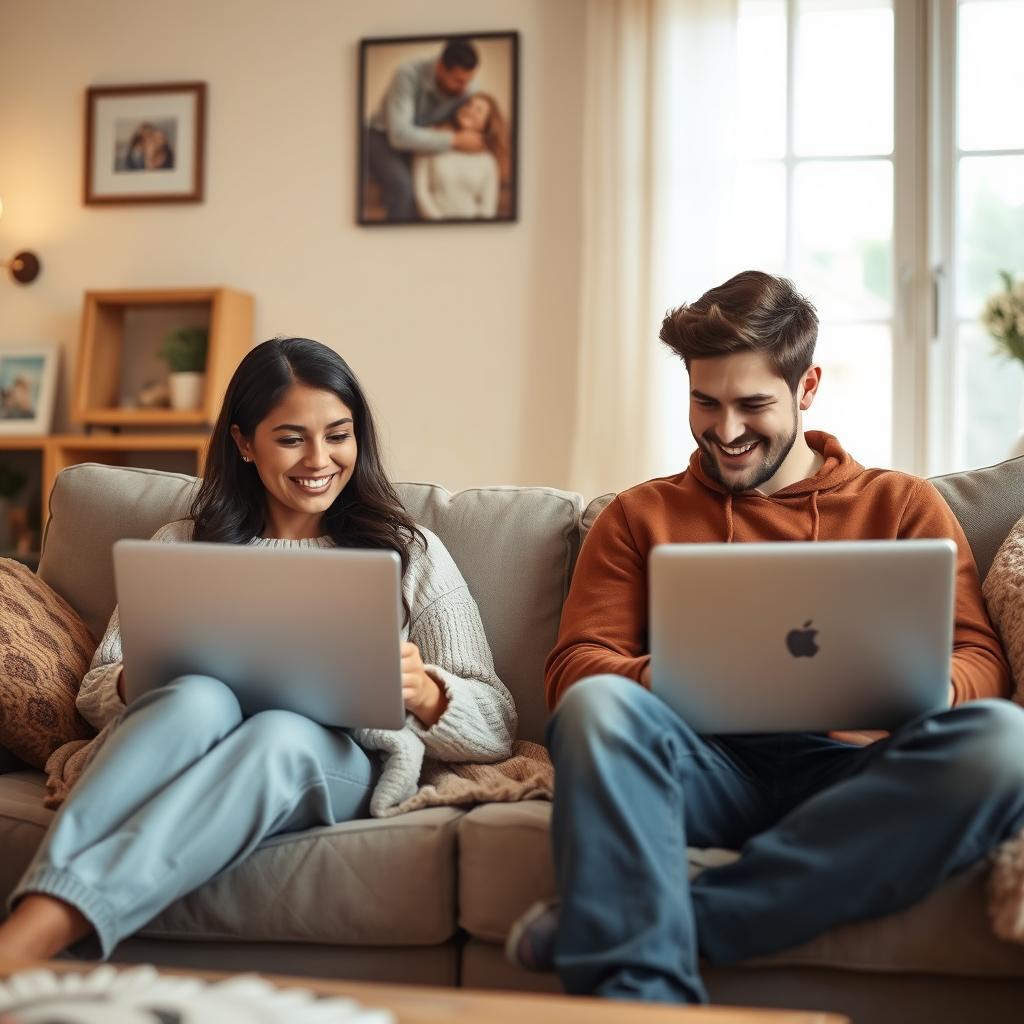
(809, 637)
(315, 631)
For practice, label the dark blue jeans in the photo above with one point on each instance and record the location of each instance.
(828, 832)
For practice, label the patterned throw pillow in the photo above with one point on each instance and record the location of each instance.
(45, 650)
(1004, 596)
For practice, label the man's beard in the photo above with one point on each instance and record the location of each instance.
(775, 453)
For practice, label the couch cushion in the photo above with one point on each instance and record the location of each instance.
(23, 820)
(91, 506)
(369, 882)
(515, 547)
(987, 502)
(508, 844)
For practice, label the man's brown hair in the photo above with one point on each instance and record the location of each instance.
(751, 312)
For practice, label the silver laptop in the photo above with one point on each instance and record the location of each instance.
(311, 631)
(809, 637)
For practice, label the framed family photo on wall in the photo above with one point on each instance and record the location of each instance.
(28, 382)
(438, 129)
(145, 143)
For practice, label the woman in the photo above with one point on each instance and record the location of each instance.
(182, 787)
(461, 185)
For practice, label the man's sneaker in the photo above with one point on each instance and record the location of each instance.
(531, 942)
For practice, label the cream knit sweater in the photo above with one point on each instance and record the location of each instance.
(479, 722)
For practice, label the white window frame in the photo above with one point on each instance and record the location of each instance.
(911, 284)
(944, 415)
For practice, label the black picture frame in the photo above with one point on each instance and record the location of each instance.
(447, 186)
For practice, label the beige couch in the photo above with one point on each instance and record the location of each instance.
(428, 897)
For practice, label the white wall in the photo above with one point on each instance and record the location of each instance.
(463, 335)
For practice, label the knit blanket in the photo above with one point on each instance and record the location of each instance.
(1004, 597)
(527, 775)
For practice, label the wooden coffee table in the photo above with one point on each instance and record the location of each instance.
(418, 1004)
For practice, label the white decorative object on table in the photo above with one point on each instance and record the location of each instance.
(142, 995)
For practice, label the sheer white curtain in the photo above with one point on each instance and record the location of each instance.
(658, 174)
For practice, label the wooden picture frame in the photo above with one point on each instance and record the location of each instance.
(145, 143)
(406, 173)
(28, 384)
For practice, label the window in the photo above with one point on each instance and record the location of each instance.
(882, 168)
(981, 151)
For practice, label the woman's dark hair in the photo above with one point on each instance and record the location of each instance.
(230, 506)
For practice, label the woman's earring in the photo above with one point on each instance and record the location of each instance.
(245, 458)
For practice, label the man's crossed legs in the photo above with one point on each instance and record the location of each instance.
(828, 832)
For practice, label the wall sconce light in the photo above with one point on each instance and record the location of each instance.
(23, 266)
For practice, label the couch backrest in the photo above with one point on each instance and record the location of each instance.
(987, 502)
(514, 545)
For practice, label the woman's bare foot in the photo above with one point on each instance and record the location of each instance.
(41, 927)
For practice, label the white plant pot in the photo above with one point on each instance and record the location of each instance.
(186, 390)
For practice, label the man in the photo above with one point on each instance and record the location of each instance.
(828, 830)
(422, 94)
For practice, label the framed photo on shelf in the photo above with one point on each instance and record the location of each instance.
(28, 382)
(145, 143)
(438, 121)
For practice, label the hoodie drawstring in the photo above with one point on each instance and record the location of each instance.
(815, 518)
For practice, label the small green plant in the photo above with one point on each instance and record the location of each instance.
(12, 480)
(185, 349)
(1003, 317)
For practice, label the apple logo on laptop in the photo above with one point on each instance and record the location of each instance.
(801, 641)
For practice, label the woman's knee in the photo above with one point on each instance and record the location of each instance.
(199, 700)
(281, 734)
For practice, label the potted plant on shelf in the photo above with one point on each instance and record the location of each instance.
(12, 480)
(1003, 318)
(185, 351)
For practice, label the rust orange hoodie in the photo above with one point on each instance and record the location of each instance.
(604, 621)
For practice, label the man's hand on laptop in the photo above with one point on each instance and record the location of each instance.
(423, 696)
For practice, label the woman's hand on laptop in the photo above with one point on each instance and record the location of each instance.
(422, 695)
(120, 685)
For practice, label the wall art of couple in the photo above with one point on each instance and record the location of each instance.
(438, 129)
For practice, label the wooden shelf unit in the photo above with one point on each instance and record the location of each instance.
(59, 451)
(120, 333)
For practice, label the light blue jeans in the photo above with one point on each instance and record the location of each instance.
(183, 789)
(828, 832)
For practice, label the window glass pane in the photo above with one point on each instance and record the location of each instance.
(990, 228)
(855, 399)
(990, 390)
(843, 237)
(757, 227)
(761, 78)
(844, 78)
(991, 74)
